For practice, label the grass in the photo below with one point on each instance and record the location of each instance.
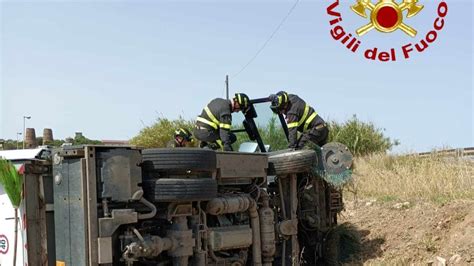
(406, 178)
(429, 244)
(388, 198)
(360, 137)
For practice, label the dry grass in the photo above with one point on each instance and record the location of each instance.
(410, 178)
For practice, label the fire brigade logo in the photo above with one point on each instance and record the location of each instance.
(3, 244)
(387, 16)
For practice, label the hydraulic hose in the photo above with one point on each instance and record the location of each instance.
(143, 216)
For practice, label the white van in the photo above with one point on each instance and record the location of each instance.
(32, 223)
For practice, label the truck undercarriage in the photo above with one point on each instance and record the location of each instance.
(190, 207)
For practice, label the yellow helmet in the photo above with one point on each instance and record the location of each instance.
(243, 100)
(279, 101)
(184, 133)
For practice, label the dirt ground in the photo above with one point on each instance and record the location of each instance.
(412, 233)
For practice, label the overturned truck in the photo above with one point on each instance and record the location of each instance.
(122, 205)
(125, 206)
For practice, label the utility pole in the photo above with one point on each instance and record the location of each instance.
(227, 86)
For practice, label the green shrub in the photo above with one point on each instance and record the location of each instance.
(161, 133)
(272, 134)
(362, 138)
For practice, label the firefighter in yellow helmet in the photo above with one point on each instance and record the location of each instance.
(182, 137)
(214, 123)
(299, 117)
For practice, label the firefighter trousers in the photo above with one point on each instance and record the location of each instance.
(210, 138)
(318, 135)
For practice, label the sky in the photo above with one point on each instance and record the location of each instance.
(108, 68)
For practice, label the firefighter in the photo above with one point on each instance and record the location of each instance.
(182, 137)
(213, 125)
(299, 117)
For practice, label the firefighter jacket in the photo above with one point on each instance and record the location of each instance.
(300, 117)
(217, 116)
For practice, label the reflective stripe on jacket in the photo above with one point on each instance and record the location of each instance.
(217, 116)
(300, 117)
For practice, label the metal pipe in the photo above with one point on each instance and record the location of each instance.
(199, 257)
(267, 230)
(283, 253)
(283, 214)
(213, 255)
(238, 130)
(293, 208)
(240, 203)
(282, 199)
(137, 233)
(230, 204)
(180, 224)
(261, 100)
(205, 236)
(255, 224)
(143, 216)
(105, 208)
(148, 248)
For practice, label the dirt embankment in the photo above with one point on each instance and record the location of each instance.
(413, 233)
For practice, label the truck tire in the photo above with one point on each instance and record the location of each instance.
(178, 160)
(177, 189)
(291, 162)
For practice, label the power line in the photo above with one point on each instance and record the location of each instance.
(268, 39)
